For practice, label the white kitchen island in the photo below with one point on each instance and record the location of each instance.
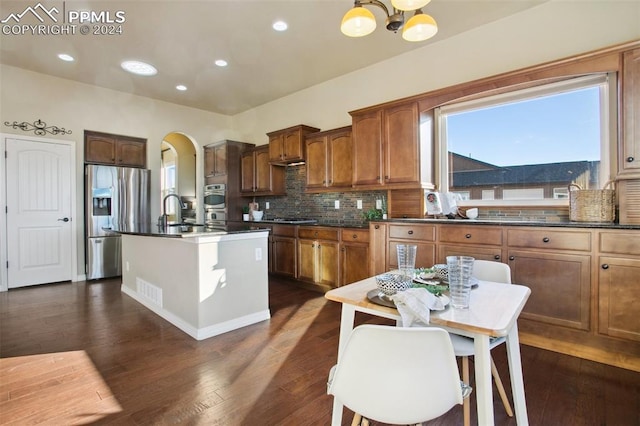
(204, 283)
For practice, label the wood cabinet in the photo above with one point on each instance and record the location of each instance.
(377, 248)
(115, 150)
(478, 242)
(354, 255)
(215, 160)
(619, 285)
(259, 176)
(629, 157)
(287, 145)
(556, 266)
(387, 150)
(329, 159)
(423, 236)
(283, 254)
(318, 256)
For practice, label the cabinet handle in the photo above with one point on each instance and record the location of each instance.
(354, 236)
(467, 236)
(545, 240)
(630, 159)
(605, 266)
(386, 178)
(410, 232)
(377, 226)
(497, 257)
(512, 258)
(315, 234)
(377, 177)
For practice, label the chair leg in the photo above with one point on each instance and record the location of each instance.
(356, 420)
(365, 422)
(466, 408)
(499, 385)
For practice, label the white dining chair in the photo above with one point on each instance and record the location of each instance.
(483, 270)
(397, 375)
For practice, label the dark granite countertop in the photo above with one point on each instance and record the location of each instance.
(515, 222)
(192, 231)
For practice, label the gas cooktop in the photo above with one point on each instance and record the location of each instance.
(293, 220)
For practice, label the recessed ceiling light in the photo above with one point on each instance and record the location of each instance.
(139, 68)
(66, 57)
(181, 87)
(280, 26)
(221, 62)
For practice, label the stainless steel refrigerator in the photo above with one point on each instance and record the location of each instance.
(115, 198)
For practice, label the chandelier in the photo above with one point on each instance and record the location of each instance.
(359, 22)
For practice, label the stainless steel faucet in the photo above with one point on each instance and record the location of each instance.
(162, 220)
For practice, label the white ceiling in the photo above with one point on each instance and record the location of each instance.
(182, 38)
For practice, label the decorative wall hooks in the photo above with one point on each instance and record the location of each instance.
(39, 127)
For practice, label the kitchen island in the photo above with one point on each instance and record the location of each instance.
(205, 283)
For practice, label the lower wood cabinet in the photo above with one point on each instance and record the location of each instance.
(318, 256)
(354, 255)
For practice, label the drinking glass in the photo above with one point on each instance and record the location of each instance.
(460, 269)
(407, 259)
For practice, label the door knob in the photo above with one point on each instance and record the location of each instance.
(64, 219)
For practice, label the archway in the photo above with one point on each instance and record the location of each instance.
(179, 173)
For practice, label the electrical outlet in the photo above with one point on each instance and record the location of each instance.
(359, 204)
(258, 253)
(127, 265)
(266, 205)
(379, 204)
(337, 204)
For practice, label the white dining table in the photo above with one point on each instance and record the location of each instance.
(493, 311)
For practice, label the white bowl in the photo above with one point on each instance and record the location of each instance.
(257, 215)
(472, 213)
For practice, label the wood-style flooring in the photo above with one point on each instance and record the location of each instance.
(85, 353)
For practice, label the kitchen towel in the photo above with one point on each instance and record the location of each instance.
(415, 305)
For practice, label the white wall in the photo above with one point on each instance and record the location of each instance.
(551, 31)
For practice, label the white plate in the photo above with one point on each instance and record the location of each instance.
(474, 282)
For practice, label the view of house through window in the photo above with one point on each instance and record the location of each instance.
(527, 146)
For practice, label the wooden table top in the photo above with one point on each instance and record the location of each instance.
(493, 307)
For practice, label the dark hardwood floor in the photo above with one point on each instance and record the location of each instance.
(84, 353)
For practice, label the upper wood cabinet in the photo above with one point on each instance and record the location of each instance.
(116, 150)
(629, 160)
(329, 159)
(287, 145)
(259, 176)
(387, 150)
(215, 160)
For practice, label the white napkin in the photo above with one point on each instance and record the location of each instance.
(415, 305)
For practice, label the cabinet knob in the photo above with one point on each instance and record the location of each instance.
(467, 236)
(410, 232)
(630, 159)
(377, 177)
(377, 226)
(605, 266)
(512, 258)
(545, 240)
(354, 236)
(315, 234)
(497, 257)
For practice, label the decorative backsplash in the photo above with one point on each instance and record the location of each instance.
(318, 206)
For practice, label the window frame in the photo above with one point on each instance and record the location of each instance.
(607, 83)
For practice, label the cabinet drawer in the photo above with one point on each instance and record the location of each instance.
(319, 233)
(557, 240)
(620, 242)
(355, 235)
(284, 230)
(413, 232)
(470, 235)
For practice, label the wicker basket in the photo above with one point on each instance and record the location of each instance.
(591, 205)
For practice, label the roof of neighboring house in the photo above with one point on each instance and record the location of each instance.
(532, 174)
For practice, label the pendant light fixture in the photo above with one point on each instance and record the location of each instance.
(359, 21)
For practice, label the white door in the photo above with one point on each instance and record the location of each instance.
(39, 229)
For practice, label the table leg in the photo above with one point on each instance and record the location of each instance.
(515, 372)
(346, 326)
(483, 389)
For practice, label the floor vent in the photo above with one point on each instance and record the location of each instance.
(149, 291)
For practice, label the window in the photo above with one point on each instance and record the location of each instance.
(523, 146)
(560, 193)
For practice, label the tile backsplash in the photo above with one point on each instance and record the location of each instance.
(318, 206)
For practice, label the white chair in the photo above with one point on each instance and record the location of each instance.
(397, 375)
(483, 270)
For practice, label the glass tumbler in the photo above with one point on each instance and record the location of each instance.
(460, 269)
(407, 259)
